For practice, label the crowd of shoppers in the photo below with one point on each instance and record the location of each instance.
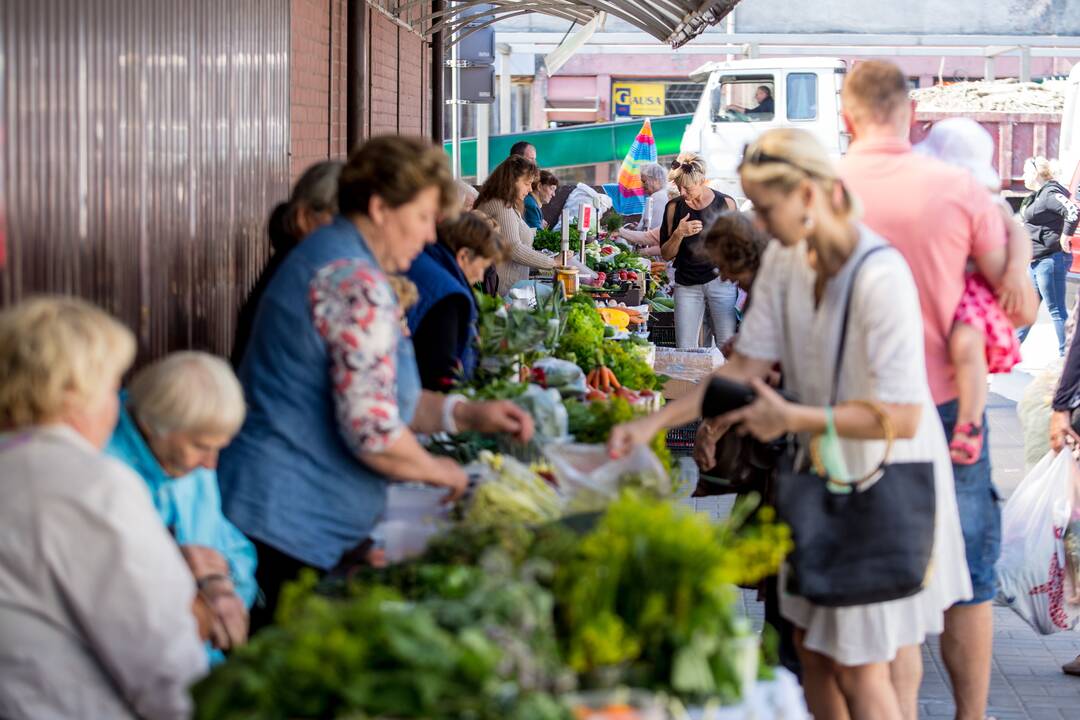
(100, 614)
(334, 394)
(201, 490)
(797, 319)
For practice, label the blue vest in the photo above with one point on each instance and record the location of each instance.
(288, 479)
(438, 276)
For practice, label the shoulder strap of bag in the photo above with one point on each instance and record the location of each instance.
(847, 319)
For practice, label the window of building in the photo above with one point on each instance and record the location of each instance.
(744, 98)
(683, 97)
(802, 96)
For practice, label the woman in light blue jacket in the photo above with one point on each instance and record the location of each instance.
(175, 417)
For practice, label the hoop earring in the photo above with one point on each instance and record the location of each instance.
(808, 223)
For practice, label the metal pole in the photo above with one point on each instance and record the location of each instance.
(483, 124)
(730, 29)
(438, 93)
(355, 82)
(1025, 64)
(504, 90)
(455, 108)
(988, 68)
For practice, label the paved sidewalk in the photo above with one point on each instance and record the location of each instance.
(1027, 682)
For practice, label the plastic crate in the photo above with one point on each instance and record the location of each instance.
(662, 335)
(681, 439)
(661, 319)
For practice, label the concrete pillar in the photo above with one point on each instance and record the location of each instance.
(988, 68)
(1025, 64)
(603, 95)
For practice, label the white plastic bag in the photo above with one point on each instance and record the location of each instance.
(590, 479)
(583, 193)
(1032, 569)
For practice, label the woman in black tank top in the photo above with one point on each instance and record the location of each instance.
(698, 288)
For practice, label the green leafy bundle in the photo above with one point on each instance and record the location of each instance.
(508, 336)
(583, 333)
(464, 643)
(631, 369)
(650, 597)
(551, 240)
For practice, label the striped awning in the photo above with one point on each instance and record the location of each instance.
(674, 22)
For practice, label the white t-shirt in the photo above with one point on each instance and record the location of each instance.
(659, 202)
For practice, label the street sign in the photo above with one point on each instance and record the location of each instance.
(637, 99)
(477, 84)
(478, 48)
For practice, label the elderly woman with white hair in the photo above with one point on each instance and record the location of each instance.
(175, 417)
(96, 603)
(646, 236)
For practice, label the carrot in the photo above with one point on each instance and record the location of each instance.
(611, 379)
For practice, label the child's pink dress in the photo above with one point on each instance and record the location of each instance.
(979, 308)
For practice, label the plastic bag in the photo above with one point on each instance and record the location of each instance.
(506, 489)
(1032, 569)
(561, 375)
(413, 515)
(550, 418)
(583, 193)
(590, 479)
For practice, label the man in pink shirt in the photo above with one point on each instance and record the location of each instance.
(938, 216)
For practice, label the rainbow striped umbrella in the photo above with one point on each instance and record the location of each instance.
(629, 194)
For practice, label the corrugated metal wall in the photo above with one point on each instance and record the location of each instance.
(142, 143)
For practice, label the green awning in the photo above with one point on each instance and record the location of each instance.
(579, 144)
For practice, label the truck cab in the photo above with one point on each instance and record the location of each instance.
(744, 98)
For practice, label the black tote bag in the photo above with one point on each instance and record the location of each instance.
(870, 545)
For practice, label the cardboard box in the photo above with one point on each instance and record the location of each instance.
(676, 388)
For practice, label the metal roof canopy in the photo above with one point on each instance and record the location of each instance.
(674, 22)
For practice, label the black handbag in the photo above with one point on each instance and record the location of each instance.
(743, 463)
(870, 544)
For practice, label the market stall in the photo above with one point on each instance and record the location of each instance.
(565, 584)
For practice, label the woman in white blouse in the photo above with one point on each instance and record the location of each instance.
(96, 602)
(796, 317)
(502, 197)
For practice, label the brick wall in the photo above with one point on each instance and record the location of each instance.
(412, 52)
(383, 61)
(397, 95)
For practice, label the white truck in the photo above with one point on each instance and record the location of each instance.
(744, 98)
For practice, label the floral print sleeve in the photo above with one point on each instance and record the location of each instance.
(355, 312)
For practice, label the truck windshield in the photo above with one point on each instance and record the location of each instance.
(744, 99)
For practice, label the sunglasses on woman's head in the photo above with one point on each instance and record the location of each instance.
(686, 167)
(757, 156)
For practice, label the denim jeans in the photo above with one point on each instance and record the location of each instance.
(691, 303)
(980, 512)
(1048, 275)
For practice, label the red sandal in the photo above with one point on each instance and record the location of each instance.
(966, 445)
